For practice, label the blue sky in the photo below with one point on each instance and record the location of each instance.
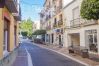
(31, 8)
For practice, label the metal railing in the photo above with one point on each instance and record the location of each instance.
(81, 22)
(48, 27)
(60, 22)
(15, 2)
(58, 9)
(54, 25)
(8, 60)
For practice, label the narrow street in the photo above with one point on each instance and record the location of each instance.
(43, 57)
(49, 32)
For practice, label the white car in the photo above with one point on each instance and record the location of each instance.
(20, 40)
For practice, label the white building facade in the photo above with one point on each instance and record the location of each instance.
(78, 31)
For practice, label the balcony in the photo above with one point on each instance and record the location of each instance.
(48, 27)
(60, 23)
(17, 16)
(59, 31)
(58, 9)
(11, 5)
(81, 22)
(55, 25)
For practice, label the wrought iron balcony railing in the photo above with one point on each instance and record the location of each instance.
(58, 9)
(48, 27)
(18, 15)
(54, 25)
(81, 22)
(60, 23)
(12, 5)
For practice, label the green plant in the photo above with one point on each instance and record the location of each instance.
(27, 25)
(24, 33)
(90, 9)
(39, 32)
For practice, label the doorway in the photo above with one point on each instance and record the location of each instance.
(52, 38)
(74, 39)
(91, 40)
(6, 35)
(60, 41)
(15, 35)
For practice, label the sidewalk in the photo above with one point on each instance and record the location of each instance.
(92, 61)
(21, 59)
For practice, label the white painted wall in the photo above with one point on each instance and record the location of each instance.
(37, 23)
(69, 16)
(65, 2)
(68, 12)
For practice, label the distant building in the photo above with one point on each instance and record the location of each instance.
(36, 26)
(42, 20)
(51, 18)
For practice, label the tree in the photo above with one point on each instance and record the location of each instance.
(90, 9)
(39, 32)
(24, 33)
(27, 26)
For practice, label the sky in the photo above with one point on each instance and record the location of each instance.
(31, 9)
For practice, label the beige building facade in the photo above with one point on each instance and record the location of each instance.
(9, 18)
(52, 21)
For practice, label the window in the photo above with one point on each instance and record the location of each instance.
(5, 35)
(49, 4)
(55, 21)
(92, 40)
(76, 13)
(61, 17)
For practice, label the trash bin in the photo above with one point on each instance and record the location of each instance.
(71, 49)
(84, 53)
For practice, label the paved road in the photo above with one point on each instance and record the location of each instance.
(43, 57)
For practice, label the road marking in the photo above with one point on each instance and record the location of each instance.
(29, 58)
(65, 55)
(21, 56)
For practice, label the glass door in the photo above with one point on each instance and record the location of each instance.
(92, 40)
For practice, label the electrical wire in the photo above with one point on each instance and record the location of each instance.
(23, 2)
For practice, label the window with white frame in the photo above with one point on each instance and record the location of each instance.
(76, 13)
(92, 39)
